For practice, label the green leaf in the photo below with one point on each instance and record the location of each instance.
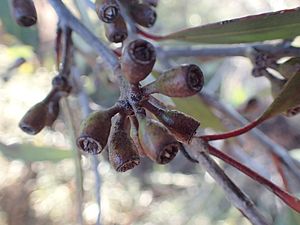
(195, 107)
(31, 153)
(268, 26)
(288, 98)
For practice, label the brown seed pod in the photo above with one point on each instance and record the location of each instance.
(52, 114)
(123, 154)
(117, 31)
(157, 142)
(24, 12)
(182, 126)
(143, 14)
(95, 131)
(35, 118)
(137, 60)
(182, 81)
(108, 11)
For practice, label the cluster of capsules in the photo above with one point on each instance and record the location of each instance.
(128, 130)
(142, 13)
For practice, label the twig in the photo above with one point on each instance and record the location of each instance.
(290, 200)
(278, 150)
(84, 103)
(77, 159)
(71, 21)
(233, 193)
(231, 50)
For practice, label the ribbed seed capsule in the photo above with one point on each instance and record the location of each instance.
(157, 142)
(143, 14)
(123, 154)
(137, 60)
(117, 31)
(24, 12)
(108, 11)
(182, 81)
(35, 119)
(53, 112)
(182, 126)
(95, 131)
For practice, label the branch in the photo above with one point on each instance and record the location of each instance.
(233, 193)
(71, 21)
(290, 200)
(278, 150)
(231, 50)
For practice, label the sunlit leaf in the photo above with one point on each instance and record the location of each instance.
(288, 98)
(268, 26)
(31, 153)
(195, 107)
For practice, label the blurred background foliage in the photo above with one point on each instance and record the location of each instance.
(37, 174)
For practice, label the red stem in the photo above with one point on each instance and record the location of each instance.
(149, 36)
(117, 53)
(279, 168)
(233, 133)
(290, 200)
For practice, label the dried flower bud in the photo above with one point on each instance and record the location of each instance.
(108, 11)
(117, 31)
(24, 12)
(35, 119)
(143, 14)
(123, 154)
(182, 126)
(151, 2)
(60, 83)
(182, 81)
(95, 131)
(157, 142)
(138, 60)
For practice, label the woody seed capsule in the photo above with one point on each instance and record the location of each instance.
(182, 126)
(137, 60)
(35, 119)
(108, 11)
(159, 145)
(123, 154)
(182, 81)
(52, 114)
(24, 12)
(143, 14)
(117, 31)
(95, 131)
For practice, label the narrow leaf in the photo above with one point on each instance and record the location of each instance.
(268, 26)
(195, 107)
(31, 153)
(288, 98)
